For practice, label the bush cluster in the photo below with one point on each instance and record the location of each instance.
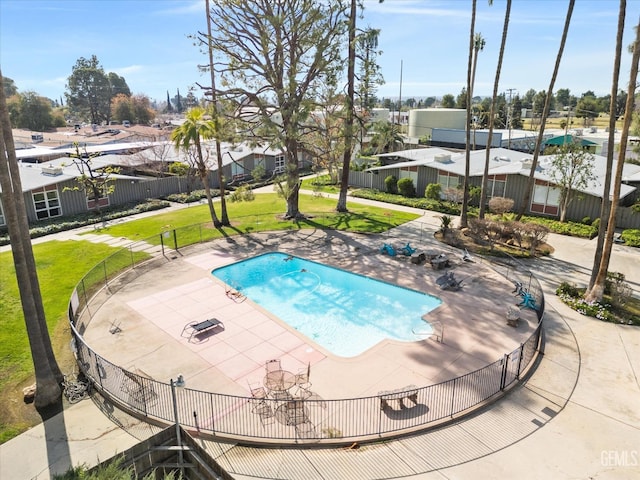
(573, 297)
(91, 218)
(194, 196)
(422, 203)
(631, 237)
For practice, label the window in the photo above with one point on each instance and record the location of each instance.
(103, 201)
(448, 180)
(2, 221)
(409, 172)
(496, 186)
(280, 163)
(46, 202)
(546, 198)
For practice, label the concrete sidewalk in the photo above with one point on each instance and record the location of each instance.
(576, 417)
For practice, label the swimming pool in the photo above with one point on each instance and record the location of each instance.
(343, 312)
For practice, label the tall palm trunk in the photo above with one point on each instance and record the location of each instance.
(606, 201)
(204, 178)
(492, 111)
(47, 372)
(467, 154)
(216, 119)
(597, 290)
(545, 113)
(348, 123)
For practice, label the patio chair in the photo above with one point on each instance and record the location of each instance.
(302, 383)
(273, 366)
(466, 256)
(388, 249)
(266, 413)
(408, 250)
(258, 396)
(306, 431)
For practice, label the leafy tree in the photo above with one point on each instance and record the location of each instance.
(429, 101)
(387, 135)
(516, 113)
(178, 102)
(9, 87)
(571, 169)
(35, 112)
(118, 85)
(563, 97)
(527, 100)
(142, 111)
(188, 137)
(273, 54)
(122, 108)
(448, 101)
(89, 92)
(369, 75)
(169, 106)
(461, 99)
(47, 372)
(587, 108)
(96, 182)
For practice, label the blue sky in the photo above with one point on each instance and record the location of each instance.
(146, 41)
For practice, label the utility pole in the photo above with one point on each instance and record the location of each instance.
(509, 114)
(400, 96)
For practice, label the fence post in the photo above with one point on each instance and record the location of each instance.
(104, 269)
(505, 366)
(453, 396)
(175, 239)
(520, 361)
(162, 244)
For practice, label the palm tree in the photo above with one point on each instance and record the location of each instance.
(47, 372)
(606, 201)
(478, 46)
(597, 290)
(188, 135)
(492, 111)
(467, 153)
(545, 114)
(348, 122)
(216, 122)
(387, 136)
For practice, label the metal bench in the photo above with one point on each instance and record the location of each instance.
(196, 328)
(409, 392)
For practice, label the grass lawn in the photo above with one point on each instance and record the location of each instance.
(61, 265)
(263, 214)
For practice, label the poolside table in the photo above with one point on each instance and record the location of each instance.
(279, 380)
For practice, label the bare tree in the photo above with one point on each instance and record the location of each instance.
(274, 54)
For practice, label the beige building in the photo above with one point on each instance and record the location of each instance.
(422, 120)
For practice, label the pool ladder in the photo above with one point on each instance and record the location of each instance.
(433, 333)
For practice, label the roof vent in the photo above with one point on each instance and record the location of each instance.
(504, 159)
(527, 163)
(442, 158)
(52, 171)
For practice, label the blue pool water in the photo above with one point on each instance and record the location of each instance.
(343, 312)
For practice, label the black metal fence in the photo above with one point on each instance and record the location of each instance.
(265, 419)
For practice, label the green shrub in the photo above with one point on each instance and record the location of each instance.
(586, 220)
(406, 188)
(569, 289)
(573, 229)
(391, 184)
(437, 206)
(433, 191)
(244, 193)
(631, 237)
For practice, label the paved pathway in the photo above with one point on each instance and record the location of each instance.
(576, 417)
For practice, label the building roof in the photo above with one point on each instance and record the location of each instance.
(507, 162)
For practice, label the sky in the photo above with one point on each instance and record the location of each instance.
(424, 44)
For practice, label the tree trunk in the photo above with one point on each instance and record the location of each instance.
(348, 126)
(467, 153)
(606, 201)
(293, 181)
(545, 113)
(204, 177)
(597, 290)
(216, 119)
(485, 174)
(47, 372)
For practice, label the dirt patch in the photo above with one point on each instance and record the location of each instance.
(460, 239)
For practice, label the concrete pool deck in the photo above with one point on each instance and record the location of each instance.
(152, 311)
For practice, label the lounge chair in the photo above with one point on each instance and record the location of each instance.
(466, 256)
(388, 249)
(408, 250)
(449, 282)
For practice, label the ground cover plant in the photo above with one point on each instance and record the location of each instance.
(60, 265)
